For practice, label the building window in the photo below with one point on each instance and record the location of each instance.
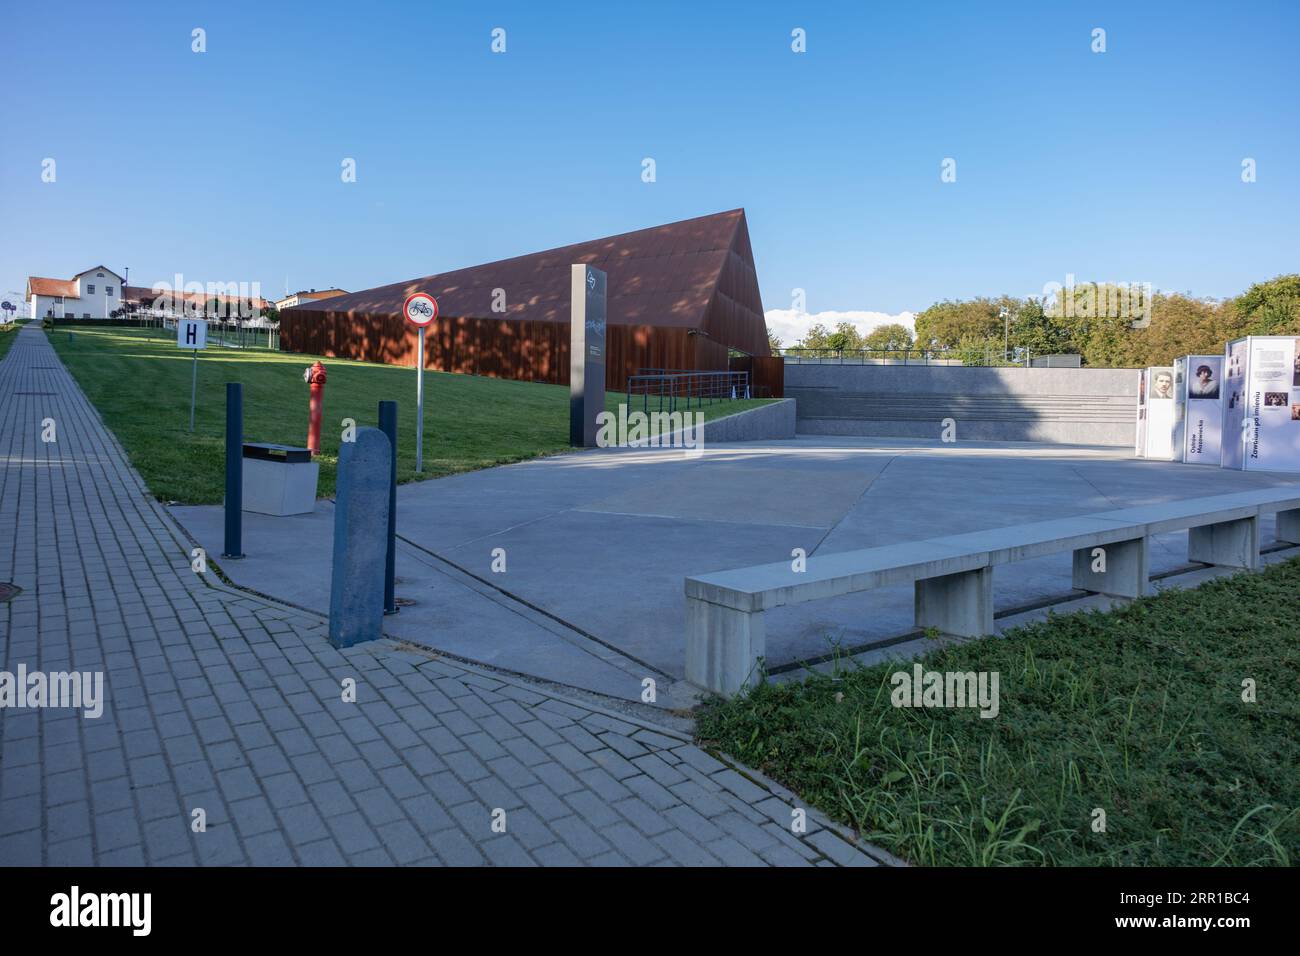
(90, 290)
(99, 275)
(108, 290)
(58, 299)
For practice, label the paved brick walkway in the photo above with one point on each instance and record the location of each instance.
(231, 704)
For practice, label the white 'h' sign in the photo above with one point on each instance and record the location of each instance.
(191, 334)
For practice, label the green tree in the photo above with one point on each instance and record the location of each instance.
(1035, 332)
(845, 338)
(815, 338)
(1272, 307)
(825, 342)
(893, 337)
(947, 323)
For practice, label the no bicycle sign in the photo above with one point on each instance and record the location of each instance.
(420, 309)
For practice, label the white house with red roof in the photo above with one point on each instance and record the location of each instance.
(93, 294)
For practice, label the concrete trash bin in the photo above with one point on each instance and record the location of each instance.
(279, 479)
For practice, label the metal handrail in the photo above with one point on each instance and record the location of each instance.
(687, 385)
(865, 356)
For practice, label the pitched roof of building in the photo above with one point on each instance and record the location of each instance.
(313, 294)
(145, 294)
(683, 274)
(37, 285)
(97, 269)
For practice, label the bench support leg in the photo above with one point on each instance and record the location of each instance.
(723, 646)
(960, 604)
(1127, 566)
(1231, 544)
(1288, 527)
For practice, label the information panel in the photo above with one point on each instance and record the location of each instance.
(1263, 404)
(1156, 407)
(1198, 380)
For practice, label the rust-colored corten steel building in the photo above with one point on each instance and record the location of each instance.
(681, 296)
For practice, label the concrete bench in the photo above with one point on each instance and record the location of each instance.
(953, 575)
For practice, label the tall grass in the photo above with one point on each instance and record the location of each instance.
(1137, 713)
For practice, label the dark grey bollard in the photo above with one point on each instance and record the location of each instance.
(234, 468)
(388, 425)
(360, 539)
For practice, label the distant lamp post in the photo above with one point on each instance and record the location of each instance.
(1005, 315)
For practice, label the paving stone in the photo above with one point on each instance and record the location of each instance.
(698, 759)
(167, 838)
(683, 850)
(379, 806)
(582, 839)
(693, 825)
(651, 791)
(632, 843)
(22, 813)
(253, 817)
(838, 851)
(321, 853)
(116, 829)
(66, 822)
(740, 786)
(353, 833)
(270, 849)
(454, 849)
(331, 798)
(593, 810)
(556, 854)
(505, 850)
(646, 818)
(302, 824)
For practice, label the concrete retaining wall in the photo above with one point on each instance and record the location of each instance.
(1082, 406)
(776, 420)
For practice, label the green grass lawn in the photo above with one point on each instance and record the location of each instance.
(140, 382)
(8, 333)
(1138, 712)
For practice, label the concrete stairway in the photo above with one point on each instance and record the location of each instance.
(1105, 419)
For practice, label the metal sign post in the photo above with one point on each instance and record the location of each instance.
(192, 334)
(419, 408)
(420, 309)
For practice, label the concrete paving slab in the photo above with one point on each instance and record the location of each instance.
(604, 539)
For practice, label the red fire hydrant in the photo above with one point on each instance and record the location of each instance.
(315, 377)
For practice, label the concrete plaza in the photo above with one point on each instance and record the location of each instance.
(597, 543)
(229, 703)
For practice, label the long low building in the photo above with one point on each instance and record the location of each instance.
(93, 294)
(100, 293)
(680, 296)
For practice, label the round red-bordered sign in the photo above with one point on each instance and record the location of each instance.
(420, 309)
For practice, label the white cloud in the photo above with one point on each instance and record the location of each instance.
(790, 326)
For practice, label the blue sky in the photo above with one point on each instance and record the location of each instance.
(225, 165)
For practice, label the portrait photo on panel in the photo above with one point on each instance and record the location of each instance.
(1203, 383)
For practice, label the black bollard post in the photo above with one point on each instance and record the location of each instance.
(388, 425)
(234, 470)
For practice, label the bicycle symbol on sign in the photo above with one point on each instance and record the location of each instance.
(421, 308)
